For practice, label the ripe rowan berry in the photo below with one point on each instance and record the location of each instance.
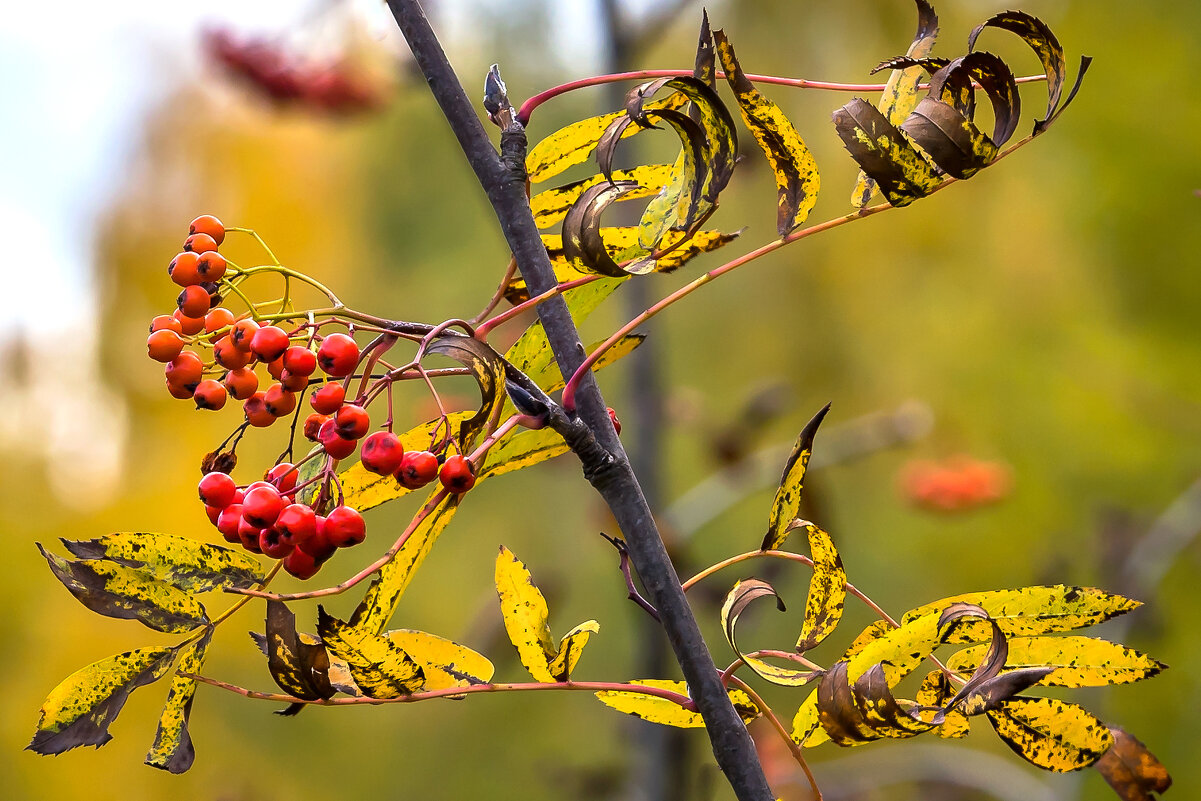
(344, 527)
(352, 422)
(210, 394)
(211, 266)
(269, 343)
(275, 369)
(382, 453)
(338, 355)
(328, 399)
(208, 224)
(228, 522)
(274, 544)
(312, 425)
(334, 444)
(293, 383)
(301, 565)
(457, 474)
(217, 319)
(184, 269)
(242, 334)
(248, 535)
(185, 370)
(280, 402)
(199, 243)
(318, 545)
(178, 391)
(165, 322)
(194, 301)
(297, 523)
(217, 489)
(283, 477)
(164, 345)
(188, 325)
(213, 514)
(262, 505)
(300, 361)
(257, 413)
(613, 419)
(417, 469)
(241, 383)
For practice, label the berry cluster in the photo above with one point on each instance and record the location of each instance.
(957, 484)
(329, 87)
(297, 352)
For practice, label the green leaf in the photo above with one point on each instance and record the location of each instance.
(378, 605)
(884, 153)
(1030, 611)
(900, 93)
(663, 711)
(1052, 734)
(172, 749)
(114, 590)
(298, 667)
(574, 143)
(737, 600)
(444, 663)
(181, 561)
(797, 177)
(82, 707)
(552, 205)
(1078, 661)
(827, 589)
(380, 667)
(788, 497)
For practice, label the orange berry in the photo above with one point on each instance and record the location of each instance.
(292, 382)
(243, 333)
(218, 319)
(211, 266)
(269, 343)
(209, 394)
(279, 401)
(275, 368)
(164, 345)
(228, 356)
(179, 391)
(257, 413)
(183, 269)
(185, 370)
(188, 325)
(199, 243)
(208, 224)
(165, 321)
(242, 383)
(194, 301)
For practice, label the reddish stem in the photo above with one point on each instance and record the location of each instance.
(481, 332)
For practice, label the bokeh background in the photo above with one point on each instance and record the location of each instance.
(1041, 319)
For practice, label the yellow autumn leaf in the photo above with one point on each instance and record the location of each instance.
(655, 709)
(827, 589)
(444, 663)
(551, 205)
(787, 502)
(1079, 661)
(380, 668)
(172, 749)
(570, 649)
(1052, 734)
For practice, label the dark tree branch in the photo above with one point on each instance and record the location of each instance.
(600, 452)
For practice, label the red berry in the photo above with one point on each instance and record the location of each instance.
(280, 402)
(228, 522)
(217, 489)
(301, 565)
(167, 322)
(242, 334)
(312, 425)
(329, 398)
(163, 345)
(344, 527)
(300, 361)
(242, 383)
(188, 325)
(297, 523)
(338, 355)
(283, 477)
(334, 444)
(199, 243)
(213, 513)
(318, 545)
(269, 343)
(178, 391)
(257, 413)
(457, 474)
(211, 266)
(613, 419)
(262, 506)
(208, 224)
(218, 319)
(293, 383)
(417, 469)
(210, 394)
(248, 535)
(382, 453)
(229, 357)
(185, 370)
(184, 269)
(274, 543)
(352, 421)
(194, 301)
(275, 369)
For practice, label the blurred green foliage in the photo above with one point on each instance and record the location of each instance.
(1044, 310)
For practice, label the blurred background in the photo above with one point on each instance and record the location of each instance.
(1012, 363)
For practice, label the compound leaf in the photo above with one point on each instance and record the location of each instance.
(797, 177)
(380, 668)
(655, 709)
(1052, 734)
(82, 707)
(181, 561)
(114, 590)
(172, 749)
